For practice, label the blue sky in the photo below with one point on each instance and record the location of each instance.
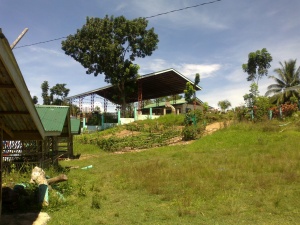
(213, 40)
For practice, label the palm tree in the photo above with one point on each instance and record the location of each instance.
(287, 83)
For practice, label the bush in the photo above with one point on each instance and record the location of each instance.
(287, 110)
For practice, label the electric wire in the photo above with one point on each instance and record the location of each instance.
(149, 17)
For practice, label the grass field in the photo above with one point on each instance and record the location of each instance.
(243, 174)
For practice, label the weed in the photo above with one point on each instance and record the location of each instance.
(96, 202)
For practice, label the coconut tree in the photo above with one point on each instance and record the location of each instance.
(287, 83)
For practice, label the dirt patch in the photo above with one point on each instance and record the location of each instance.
(214, 127)
(178, 140)
(123, 133)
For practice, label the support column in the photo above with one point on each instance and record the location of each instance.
(105, 105)
(150, 113)
(80, 103)
(140, 96)
(92, 102)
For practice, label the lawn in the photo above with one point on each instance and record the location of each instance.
(243, 174)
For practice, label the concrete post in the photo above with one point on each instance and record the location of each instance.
(119, 117)
(135, 114)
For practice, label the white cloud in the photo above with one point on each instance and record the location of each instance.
(205, 70)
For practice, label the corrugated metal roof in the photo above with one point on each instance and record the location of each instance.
(18, 116)
(75, 126)
(154, 85)
(53, 117)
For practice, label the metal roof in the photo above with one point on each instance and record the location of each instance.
(55, 119)
(75, 126)
(154, 85)
(18, 116)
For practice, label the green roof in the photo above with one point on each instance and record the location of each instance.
(75, 126)
(53, 117)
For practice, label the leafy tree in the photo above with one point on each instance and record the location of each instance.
(286, 87)
(258, 65)
(35, 99)
(190, 89)
(109, 46)
(45, 93)
(251, 97)
(225, 104)
(58, 93)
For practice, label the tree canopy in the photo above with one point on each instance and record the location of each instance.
(224, 104)
(190, 89)
(257, 65)
(287, 83)
(109, 46)
(58, 93)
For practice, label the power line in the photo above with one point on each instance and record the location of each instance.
(41, 42)
(189, 7)
(149, 17)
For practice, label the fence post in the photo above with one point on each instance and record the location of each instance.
(150, 113)
(135, 114)
(119, 117)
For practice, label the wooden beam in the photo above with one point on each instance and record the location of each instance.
(6, 129)
(14, 112)
(19, 38)
(7, 86)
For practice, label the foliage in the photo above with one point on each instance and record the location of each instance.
(57, 95)
(251, 97)
(109, 46)
(35, 100)
(194, 125)
(257, 65)
(225, 104)
(190, 90)
(287, 110)
(286, 83)
(261, 108)
(45, 93)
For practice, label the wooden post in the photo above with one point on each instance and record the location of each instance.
(18, 39)
(1, 162)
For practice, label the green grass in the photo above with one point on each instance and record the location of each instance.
(243, 174)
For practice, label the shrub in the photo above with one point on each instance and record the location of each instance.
(287, 110)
